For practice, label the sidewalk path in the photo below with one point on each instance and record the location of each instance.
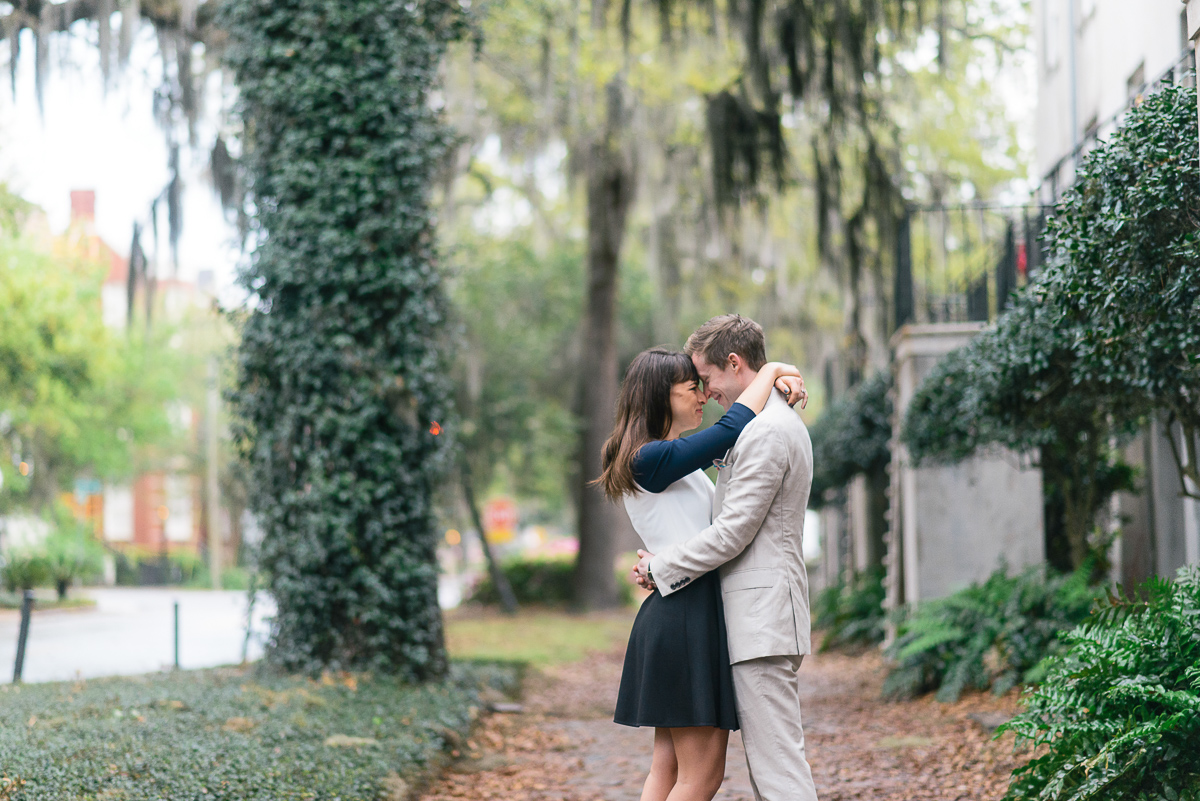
(131, 631)
(565, 747)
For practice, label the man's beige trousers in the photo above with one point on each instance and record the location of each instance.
(768, 705)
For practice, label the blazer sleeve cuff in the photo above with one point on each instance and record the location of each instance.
(668, 579)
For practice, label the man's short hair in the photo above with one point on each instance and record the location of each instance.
(726, 334)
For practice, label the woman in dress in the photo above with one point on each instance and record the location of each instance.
(676, 676)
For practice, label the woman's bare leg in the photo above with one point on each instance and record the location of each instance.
(700, 754)
(663, 769)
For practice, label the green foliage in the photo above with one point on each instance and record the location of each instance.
(517, 374)
(853, 437)
(1119, 711)
(341, 365)
(187, 567)
(1105, 335)
(232, 735)
(72, 554)
(518, 308)
(74, 396)
(1012, 386)
(1128, 241)
(851, 612)
(23, 569)
(547, 582)
(995, 634)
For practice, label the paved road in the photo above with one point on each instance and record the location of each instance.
(130, 632)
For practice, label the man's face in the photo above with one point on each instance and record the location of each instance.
(720, 384)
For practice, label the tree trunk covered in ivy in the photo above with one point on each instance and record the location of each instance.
(610, 190)
(341, 374)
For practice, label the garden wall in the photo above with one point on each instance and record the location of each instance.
(953, 525)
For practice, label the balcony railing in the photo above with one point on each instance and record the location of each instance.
(961, 263)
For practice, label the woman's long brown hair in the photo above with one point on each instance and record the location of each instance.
(643, 414)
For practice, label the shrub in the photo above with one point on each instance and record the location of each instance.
(548, 582)
(853, 437)
(1126, 235)
(23, 569)
(1119, 711)
(851, 613)
(188, 568)
(993, 634)
(1104, 337)
(72, 555)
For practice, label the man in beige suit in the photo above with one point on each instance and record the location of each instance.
(755, 539)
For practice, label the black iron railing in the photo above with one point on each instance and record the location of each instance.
(962, 263)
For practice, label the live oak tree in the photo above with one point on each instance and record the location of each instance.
(709, 237)
(343, 390)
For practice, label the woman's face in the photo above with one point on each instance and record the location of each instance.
(687, 407)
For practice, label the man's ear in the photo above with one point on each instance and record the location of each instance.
(735, 362)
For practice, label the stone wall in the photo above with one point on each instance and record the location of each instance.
(950, 525)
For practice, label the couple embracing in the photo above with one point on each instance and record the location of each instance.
(718, 643)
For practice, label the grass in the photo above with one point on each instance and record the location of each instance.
(247, 734)
(13, 600)
(538, 637)
(232, 735)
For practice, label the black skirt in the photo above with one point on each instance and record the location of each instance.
(676, 670)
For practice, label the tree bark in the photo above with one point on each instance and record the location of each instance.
(610, 190)
(508, 600)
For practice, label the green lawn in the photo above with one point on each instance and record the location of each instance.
(13, 600)
(540, 637)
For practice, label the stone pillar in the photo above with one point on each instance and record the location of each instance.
(951, 525)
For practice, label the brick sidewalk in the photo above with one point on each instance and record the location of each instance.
(564, 746)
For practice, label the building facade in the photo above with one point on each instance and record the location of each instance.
(1095, 58)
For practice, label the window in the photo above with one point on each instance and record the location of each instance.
(1135, 84)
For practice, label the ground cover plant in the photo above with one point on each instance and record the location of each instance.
(234, 734)
(851, 612)
(994, 635)
(1119, 713)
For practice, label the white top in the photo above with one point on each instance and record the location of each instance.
(672, 516)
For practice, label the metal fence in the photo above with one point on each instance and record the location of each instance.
(962, 263)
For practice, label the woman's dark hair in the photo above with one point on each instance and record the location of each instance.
(643, 414)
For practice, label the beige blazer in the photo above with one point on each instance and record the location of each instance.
(755, 538)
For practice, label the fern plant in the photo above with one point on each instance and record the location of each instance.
(851, 612)
(1119, 712)
(990, 635)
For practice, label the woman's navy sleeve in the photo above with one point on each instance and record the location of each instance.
(661, 463)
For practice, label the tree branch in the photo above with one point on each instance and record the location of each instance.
(1186, 471)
